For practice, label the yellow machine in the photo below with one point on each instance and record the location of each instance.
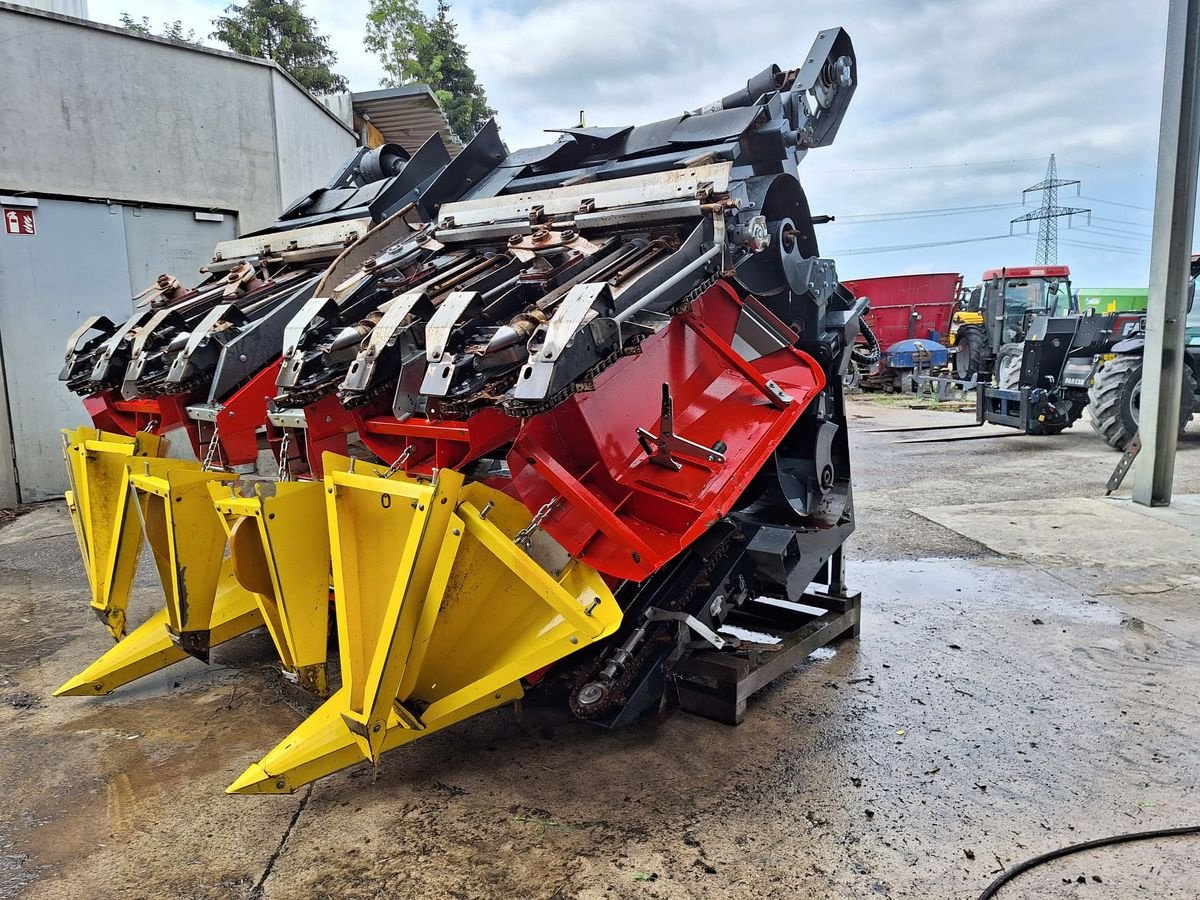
(443, 599)
(602, 381)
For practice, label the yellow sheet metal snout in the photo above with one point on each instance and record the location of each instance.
(445, 593)
(440, 613)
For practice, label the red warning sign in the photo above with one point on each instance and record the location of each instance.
(19, 221)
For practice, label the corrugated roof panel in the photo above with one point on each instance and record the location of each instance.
(407, 116)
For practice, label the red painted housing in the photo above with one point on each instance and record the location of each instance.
(435, 444)
(236, 426)
(909, 306)
(623, 514)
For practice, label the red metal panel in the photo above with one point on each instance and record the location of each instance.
(1028, 272)
(909, 306)
(243, 414)
(154, 414)
(328, 427)
(436, 444)
(623, 514)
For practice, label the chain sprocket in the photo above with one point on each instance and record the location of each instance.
(656, 635)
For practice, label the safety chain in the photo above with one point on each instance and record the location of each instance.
(285, 473)
(149, 426)
(400, 460)
(525, 536)
(210, 452)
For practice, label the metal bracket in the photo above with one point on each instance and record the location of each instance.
(91, 323)
(569, 318)
(362, 370)
(199, 333)
(662, 448)
(690, 621)
(1132, 449)
(437, 336)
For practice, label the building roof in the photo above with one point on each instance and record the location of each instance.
(406, 116)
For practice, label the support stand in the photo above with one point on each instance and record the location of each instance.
(717, 685)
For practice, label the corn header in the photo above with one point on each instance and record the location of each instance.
(566, 420)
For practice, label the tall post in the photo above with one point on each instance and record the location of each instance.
(1170, 257)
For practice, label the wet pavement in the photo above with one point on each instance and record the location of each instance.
(1001, 702)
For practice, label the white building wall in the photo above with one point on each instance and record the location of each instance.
(309, 150)
(100, 113)
(91, 112)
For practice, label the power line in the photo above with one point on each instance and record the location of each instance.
(857, 251)
(999, 162)
(903, 215)
(1107, 168)
(1115, 203)
(1091, 246)
(1121, 222)
(1116, 232)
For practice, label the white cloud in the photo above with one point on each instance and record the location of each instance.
(942, 83)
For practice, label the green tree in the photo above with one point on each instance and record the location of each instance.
(414, 47)
(172, 31)
(130, 24)
(279, 30)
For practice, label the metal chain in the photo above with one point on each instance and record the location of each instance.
(525, 535)
(150, 426)
(210, 452)
(400, 460)
(284, 473)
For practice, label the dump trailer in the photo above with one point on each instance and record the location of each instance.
(909, 319)
(566, 420)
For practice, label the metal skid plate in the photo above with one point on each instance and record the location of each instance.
(102, 513)
(618, 509)
(657, 187)
(279, 551)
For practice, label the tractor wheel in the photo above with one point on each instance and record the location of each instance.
(1115, 400)
(852, 380)
(1008, 367)
(969, 345)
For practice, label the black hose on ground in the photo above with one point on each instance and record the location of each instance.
(1085, 845)
(871, 356)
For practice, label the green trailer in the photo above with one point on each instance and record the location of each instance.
(1106, 300)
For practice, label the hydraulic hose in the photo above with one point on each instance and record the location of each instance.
(1028, 864)
(871, 356)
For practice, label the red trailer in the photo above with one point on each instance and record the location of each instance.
(909, 306)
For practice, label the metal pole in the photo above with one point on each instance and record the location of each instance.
(1170, 256)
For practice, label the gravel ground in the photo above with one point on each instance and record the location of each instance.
(996, 706)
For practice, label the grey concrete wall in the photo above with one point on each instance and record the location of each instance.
(309, 149)
(97, 112)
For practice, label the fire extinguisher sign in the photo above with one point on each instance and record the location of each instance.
(19, 221)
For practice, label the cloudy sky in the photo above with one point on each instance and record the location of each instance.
(958, 108)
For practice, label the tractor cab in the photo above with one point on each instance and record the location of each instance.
(1014, 297)
(1000, 311)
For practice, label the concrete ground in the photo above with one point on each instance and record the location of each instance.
(1026, 678)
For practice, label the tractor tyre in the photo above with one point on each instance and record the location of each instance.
(1114, 400)
(1008, 367)
(852, 380)
(1008, 378)
(969, 346)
